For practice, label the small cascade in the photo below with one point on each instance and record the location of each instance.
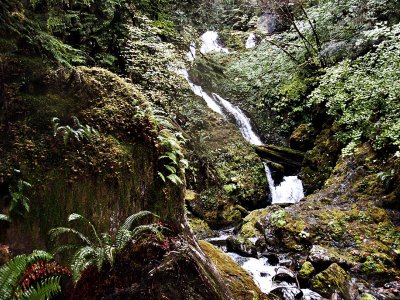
(290, 190)
(251, 41)
(210, 41)
(198, 90)
(242, 121)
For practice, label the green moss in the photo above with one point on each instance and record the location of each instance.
(248, 228)
(239, 281)
(306, 271)
(334, 278)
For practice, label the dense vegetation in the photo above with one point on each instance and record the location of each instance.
(96, 122)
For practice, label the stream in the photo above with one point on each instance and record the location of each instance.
(290, 190)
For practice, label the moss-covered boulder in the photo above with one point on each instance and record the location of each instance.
(239, 281)
(241, 246)
(333, 279)
(307, 271)
(302, 138)
(100, 157)
(319, 161)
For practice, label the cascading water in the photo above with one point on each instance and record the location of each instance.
(289, 191)
(211, 43)
(251, 41)
(198, 90)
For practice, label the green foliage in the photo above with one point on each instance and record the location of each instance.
(19, 201)
(363, 96)
(82, 132)
(173, 158)
(278, 218)
(99, 250)
(5, 218)
(17, 274)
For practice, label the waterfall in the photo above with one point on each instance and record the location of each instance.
(251, 41)
(198, 90)
(291, 188)
(211, 43)
(242, 121)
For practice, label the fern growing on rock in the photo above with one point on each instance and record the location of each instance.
(31, 276)
(101, 248)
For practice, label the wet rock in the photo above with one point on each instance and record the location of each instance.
(306, 272)
(287, 292)
(322, 257)
(241, 246)
(261, 245)
(273, 258)
(333, 279)
(303, 137)
(284, 275)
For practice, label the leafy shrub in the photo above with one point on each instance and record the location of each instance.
(364, 96)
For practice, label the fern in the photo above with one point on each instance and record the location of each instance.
(17, 275)
(102, 249)
(45, 289)
(82, 132)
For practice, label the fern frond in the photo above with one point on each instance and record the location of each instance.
(138, 231)
(75, 216)
(11, 272)
(122, 238)
(44, 289)
(134, 219)
(83, 258)
(56, 232)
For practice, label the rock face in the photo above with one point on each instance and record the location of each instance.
(241, 284)
(333, 279)
(241, 246)
(106, 176)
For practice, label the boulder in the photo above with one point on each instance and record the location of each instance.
(307, 271)
(287, 292)
(284, 275)
(303, 137)
(273, 258)
(333, 279)
(241, 246)
(322, 257)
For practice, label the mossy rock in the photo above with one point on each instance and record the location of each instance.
(334, 278)
(303, 137)
(307, 271)
(239, 281)
(248, 228)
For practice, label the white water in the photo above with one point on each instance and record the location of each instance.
(291, 189)
(211, 43)
(242, 121)
(259, 269)
(198, 90)
(251, 41)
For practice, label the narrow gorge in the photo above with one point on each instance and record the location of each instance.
(244, 149)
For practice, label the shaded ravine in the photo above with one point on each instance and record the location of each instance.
(289, 191)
